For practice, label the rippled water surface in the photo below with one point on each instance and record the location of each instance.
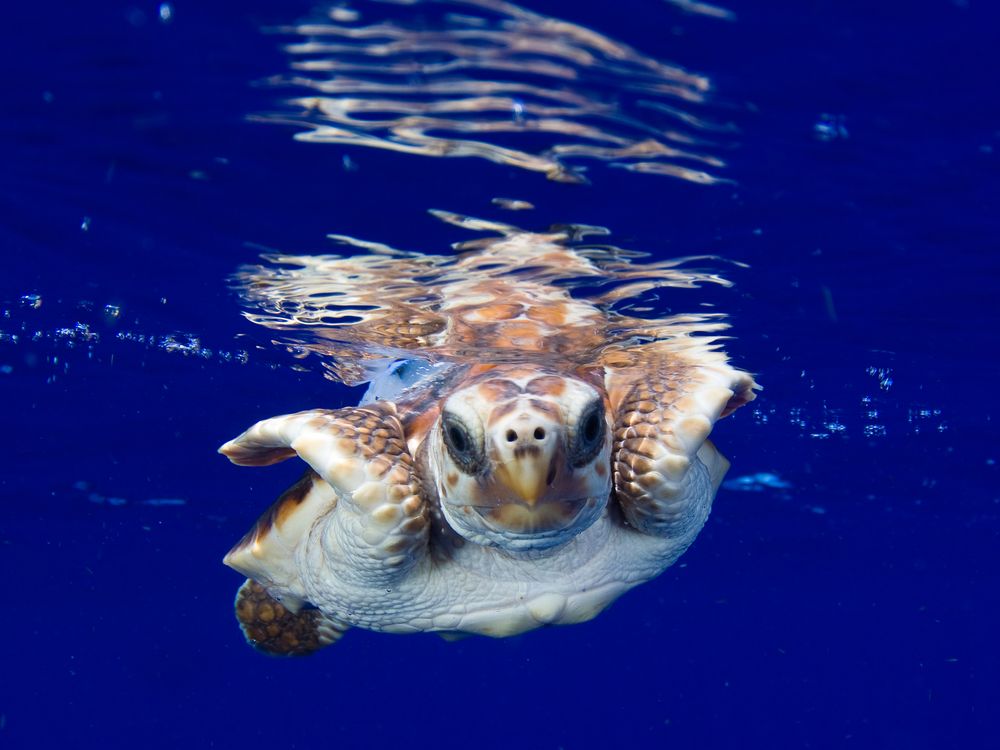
(809, 186)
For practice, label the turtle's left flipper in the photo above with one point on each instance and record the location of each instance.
(271, 627)
(665, 400)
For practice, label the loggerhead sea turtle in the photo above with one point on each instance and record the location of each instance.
(523, 458)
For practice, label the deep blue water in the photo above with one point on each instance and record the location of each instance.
(855, 607)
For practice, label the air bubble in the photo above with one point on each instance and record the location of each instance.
(830, 128)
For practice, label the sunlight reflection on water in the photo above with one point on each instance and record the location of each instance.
(517, 296)
(493, 80)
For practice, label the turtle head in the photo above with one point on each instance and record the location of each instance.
(521, 459)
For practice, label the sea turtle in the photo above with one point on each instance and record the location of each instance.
(522, 459)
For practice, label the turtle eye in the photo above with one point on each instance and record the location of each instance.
(464, 450)
(588, 436)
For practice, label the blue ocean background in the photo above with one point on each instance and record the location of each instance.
(844, 592)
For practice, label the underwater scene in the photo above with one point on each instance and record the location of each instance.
(470, 373)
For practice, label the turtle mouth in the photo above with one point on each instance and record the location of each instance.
(524, 520)
(521, 527)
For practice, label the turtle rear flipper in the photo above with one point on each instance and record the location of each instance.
(271, 627)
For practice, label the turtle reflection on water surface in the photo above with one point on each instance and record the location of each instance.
(523, 456)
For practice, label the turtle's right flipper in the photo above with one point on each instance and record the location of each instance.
(362, 463)
(272, 628)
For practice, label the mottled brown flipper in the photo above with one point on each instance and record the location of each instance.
(664, 403)
(272, 628)
(365, 480)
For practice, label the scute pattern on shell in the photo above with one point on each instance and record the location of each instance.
(511, 298)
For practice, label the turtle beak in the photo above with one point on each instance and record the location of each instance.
(527, 460)
(525, 478)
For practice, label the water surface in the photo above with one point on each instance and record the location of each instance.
(842, 594)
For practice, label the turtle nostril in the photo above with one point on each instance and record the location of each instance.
(511, 436)
(539, 433)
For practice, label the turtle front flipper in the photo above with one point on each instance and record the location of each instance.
(271, 627)
(364, 486)
(665, 398)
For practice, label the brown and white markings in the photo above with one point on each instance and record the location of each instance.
(545, 451)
